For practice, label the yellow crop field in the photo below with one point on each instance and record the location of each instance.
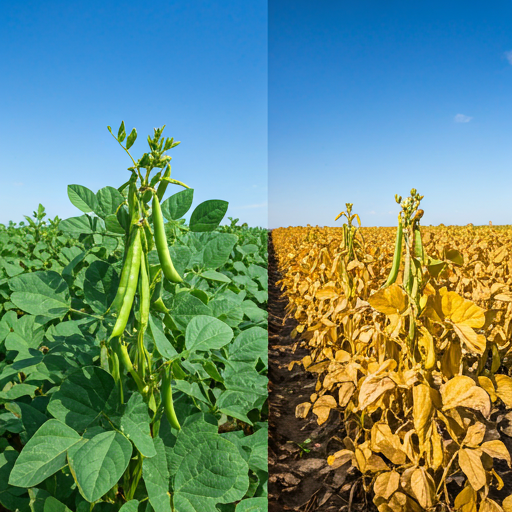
(409, 331)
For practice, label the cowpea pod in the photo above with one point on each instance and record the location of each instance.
(161, 243)
(418, 245)
(131, 287)
(167, 401)
(397, 256)
(125, 275)
(162, 186)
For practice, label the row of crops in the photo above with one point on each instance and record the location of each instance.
(409, 331)
(133, 352)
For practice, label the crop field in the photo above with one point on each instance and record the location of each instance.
(407, 333)
(133, 352)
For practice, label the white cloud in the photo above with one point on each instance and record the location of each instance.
(461, 118)
(508, 56)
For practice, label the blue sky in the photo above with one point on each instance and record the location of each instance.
(69, 69)
(368, 99)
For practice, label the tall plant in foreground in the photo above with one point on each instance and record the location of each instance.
(93, 350)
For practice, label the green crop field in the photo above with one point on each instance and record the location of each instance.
(133, 352)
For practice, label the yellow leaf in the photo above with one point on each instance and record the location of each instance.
(489, 505)
(465, 501)
(471, 464)
(386, 484)
(301, 411)
(346, 391)
(373, 387)
(461, 391)
(497, 450)
(339, 458)
(507, 504)
(426, 342)
(475, 435)
(476, 343)
(462, 311)
(504, 389)
(385, 442)
(390, 301)
(422, 410)
(487, 384)
(327, 292)
(323, 406)
(437, 448)
(423, 487)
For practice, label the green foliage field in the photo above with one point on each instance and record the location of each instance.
(69, 441)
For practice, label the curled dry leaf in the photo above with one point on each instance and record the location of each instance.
(302, 410)
(386, 484)
(462, 391)
(322, 407)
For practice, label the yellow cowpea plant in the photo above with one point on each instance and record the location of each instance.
(410, 360)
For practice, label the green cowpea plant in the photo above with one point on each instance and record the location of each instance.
(120, 365)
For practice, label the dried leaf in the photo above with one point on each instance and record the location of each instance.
(386, 484)
(390, 301)
(422, 410)
(322, 407)
(504, 389)
(471, 464)
(475, 343)
(497, 450)
(373, 387)
(461, 391)
(462, 311)
(465, 501)
(423, 488)
(302, 410)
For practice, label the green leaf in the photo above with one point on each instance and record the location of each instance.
(213, 275)
(10, 496)
(186, 307)
(131, 138)
(156, 478)
(83, 198)
(108, 199)
(53, 505)
(208, 215)
(178, 204)
(83, 396)
(217, 251)
(253, 505)
(207, 469)
(75, 226)
(100, 285)
(112, 224)
(250, 345)
(121, 134)
(44, 454)
(135, 425)
(207, 333)
(163, 345)
(41, 293)
(99, 463)
(132, 505)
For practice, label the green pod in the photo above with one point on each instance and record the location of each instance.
(144, 292)
(131, 288)
(166, 395)
(161, 244)
(125, 275)
(121, 351)
(418, 245)
(397, 256)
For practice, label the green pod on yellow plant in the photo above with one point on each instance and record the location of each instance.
(161, 243)
(419, 252)
(166, 395)
(131, 287)
(397, 256)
